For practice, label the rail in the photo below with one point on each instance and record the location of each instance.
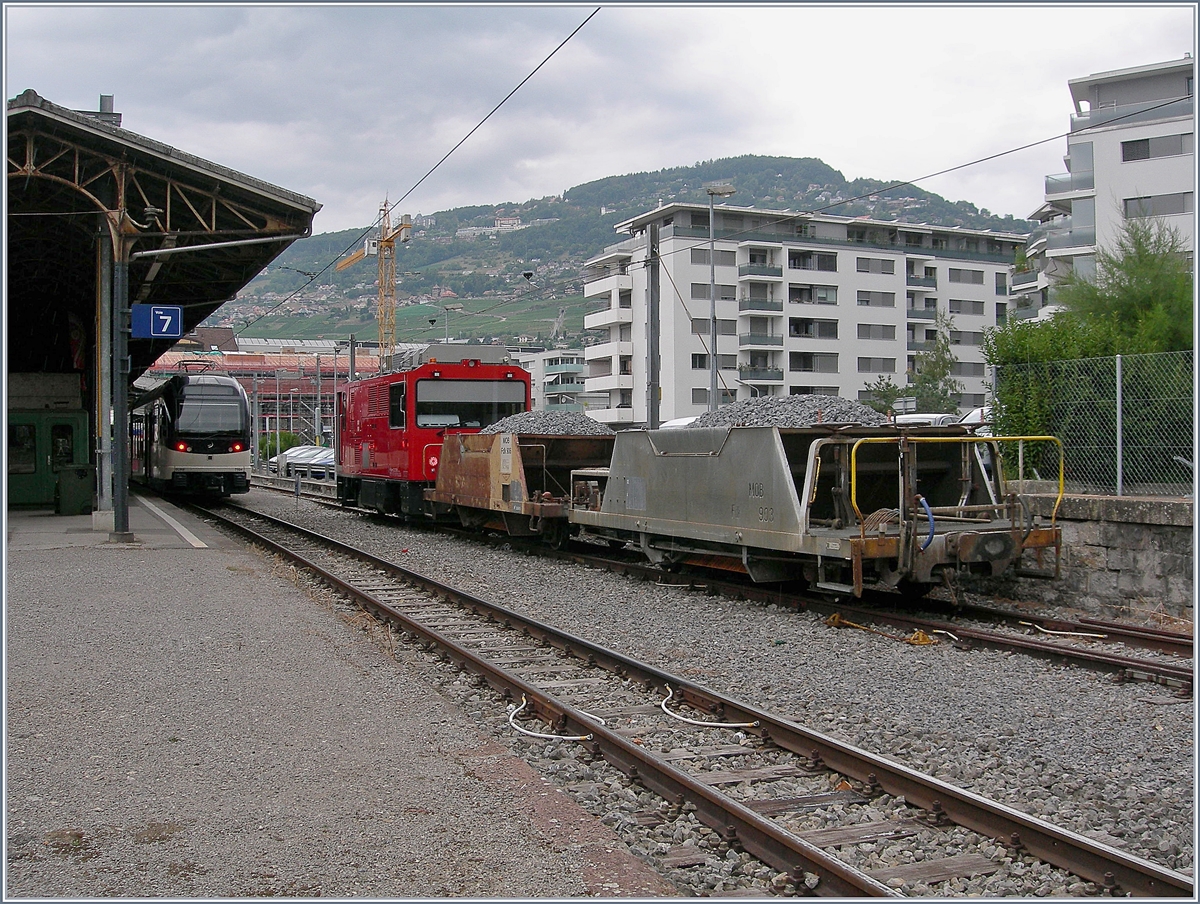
(757, 835)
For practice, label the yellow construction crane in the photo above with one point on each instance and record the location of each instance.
(384, 247)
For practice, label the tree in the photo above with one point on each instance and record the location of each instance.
(932, 382)
(883, 394)
(1142, 288)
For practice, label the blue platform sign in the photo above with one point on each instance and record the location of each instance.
(157, 321)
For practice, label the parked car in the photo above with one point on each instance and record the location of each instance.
(980, 418)
(924, 420)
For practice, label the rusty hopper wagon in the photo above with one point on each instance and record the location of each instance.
(840, 507)
(517, 483)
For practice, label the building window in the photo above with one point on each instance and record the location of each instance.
(724, 293)
(965, 306)
(807, 328)
(972, 277)
(1162, 146)
(800, 294)
(812, 260)
(965, 337)
(625, 298)
(876, 331)
(1001, 282)
(699, 396)
(876, 299)
(626, 396)
(972, 400)
(813, 390)
(876, 365)
(1001, 313)
(813, 362)
(1158, 205)
(967, 369)
(699, 362)
(727, 362)
(724, 258)
(875, 265)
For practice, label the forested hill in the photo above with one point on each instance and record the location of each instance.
(560, 233)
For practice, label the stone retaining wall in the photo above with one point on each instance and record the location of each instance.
(1122, 555)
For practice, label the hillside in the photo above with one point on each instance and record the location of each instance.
(481, 270)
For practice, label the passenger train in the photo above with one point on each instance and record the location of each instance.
(191, 434)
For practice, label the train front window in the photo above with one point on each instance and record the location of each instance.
(467, 403)
(211, 409)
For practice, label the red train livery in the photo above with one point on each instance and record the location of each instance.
(390, 427)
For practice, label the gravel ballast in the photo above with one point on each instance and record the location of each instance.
(791, 411)
(549, 423)
(1110, 760)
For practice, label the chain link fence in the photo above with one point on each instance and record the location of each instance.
(1127, 422)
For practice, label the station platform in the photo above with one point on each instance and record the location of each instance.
(186, 718)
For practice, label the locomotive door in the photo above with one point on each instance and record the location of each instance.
(40, 442)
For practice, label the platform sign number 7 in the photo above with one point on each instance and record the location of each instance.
(156, 321)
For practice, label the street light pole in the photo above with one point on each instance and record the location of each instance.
(723, 190)
(317, 428)
(277, 410)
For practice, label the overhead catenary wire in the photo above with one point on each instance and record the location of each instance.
(432, 169)
(782, 218)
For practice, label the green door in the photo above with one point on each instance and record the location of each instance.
(38, 442)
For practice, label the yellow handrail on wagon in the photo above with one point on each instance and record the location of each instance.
(950, 439)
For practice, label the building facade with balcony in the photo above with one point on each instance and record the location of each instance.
(557, 380)
(806, 304)
(1129, 155)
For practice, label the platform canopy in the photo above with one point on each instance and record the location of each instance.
(77, 180)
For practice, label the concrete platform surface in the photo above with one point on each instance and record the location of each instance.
(186, 721)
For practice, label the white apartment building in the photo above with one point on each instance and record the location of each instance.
(557, 378)
(805, 304)
(1130, 154)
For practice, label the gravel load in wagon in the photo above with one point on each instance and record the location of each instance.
(791, 411)
(549, 423)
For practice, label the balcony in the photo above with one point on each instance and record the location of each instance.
(1023, 277)
(1069, 182)
(922, 314)
(757, 340)
(560, 388)
(605, 285)
(760, 374)
(607, 317)
(914, 346)
(746, 270)
(1078, 237)
(926, 282)
(565, 406)
(608, 350)
(609, 383)
(565, 368)
(1145, 111)
(769, 305)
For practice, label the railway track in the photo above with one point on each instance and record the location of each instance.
(763, 783)
(968, 626)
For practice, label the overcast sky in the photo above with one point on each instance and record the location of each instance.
(348, 103)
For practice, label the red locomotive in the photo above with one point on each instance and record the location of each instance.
(390, 427)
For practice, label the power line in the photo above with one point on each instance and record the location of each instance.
(379, 219)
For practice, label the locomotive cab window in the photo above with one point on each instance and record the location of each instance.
(211, 409)
(396, 406)
(467, 403)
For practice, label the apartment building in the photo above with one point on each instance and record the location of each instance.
(557, 378)
(805, 304)
(1129, 154)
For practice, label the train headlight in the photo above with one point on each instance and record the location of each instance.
(183, 447)
(237, 447)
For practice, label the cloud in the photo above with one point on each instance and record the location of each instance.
(348, 103)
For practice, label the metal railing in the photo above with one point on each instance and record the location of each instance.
(1126, 422)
